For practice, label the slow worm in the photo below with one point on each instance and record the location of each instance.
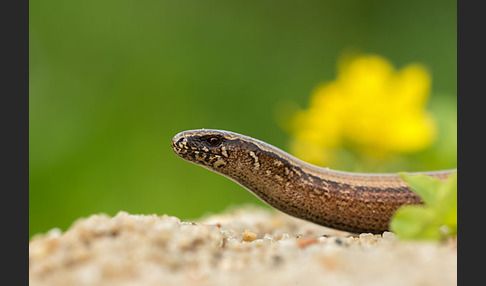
(353, 202)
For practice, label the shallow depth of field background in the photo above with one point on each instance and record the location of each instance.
(111, 82)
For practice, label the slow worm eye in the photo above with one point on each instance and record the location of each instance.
(214, 141)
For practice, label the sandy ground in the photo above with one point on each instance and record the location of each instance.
(245, 246)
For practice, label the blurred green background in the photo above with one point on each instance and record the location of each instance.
(111, 82)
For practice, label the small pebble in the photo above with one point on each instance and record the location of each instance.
(366, 237)
(303, 242)
(389, 236)
(249, 236)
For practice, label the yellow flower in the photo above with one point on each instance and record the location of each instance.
(370, 108)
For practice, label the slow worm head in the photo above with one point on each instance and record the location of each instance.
(354, 202)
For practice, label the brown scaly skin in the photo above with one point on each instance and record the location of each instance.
(353, 202)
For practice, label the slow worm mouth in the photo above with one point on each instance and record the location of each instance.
(183, 152)
(177, 150)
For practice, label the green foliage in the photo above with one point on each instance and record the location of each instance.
(437, 218)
